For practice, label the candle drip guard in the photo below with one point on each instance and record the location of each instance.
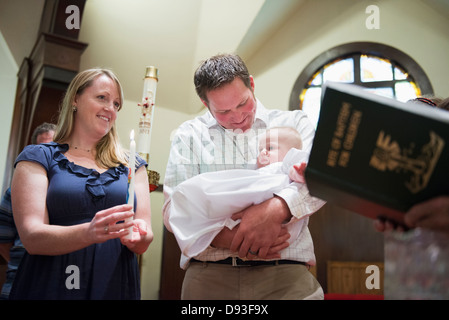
(153, 176)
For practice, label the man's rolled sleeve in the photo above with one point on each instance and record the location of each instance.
(299, 200)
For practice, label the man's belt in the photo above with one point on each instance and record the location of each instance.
(237, 262)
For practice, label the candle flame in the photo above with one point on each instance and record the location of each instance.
(131, 135)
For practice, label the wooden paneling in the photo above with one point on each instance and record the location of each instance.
(350, 277)
(43, 78)
(342, 235)
(171, 273)
(338, 235)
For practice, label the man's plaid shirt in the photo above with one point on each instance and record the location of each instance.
(202, 145)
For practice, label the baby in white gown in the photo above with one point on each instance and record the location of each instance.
(202, 205)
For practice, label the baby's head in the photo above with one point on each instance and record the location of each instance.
(275, 143)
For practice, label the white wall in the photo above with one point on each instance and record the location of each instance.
(8, 83)
(410, 26)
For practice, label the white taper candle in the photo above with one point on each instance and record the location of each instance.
(132, 166)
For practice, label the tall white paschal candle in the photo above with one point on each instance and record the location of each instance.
(147, 110)
(132, 167)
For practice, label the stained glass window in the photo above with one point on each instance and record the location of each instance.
(377, 74)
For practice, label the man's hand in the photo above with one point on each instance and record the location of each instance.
(431, 214)
(225, 236)
(260, 231)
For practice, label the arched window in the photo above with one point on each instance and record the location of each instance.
(379, 68)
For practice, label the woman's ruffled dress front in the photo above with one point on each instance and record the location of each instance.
(75, 194)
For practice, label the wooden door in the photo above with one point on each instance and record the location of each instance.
(171, 274)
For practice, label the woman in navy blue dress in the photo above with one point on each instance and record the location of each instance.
(69, 202)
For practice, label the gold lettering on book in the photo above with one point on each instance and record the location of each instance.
(342, 119)
(342, 142)
(344, 158)
(388, 156)
(353, 128)
(332, 158)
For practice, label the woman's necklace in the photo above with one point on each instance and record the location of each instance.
(78, 148)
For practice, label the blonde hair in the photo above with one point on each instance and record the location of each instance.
(109, 152)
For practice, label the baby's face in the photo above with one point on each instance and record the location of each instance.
(272, 148)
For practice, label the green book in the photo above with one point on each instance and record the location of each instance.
(377, 156)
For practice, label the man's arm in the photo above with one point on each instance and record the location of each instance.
(180, 167)
(262, 223)
(260, 227)
(225, 237)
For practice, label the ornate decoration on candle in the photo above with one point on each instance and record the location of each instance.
(146, 120)
(147, 109)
